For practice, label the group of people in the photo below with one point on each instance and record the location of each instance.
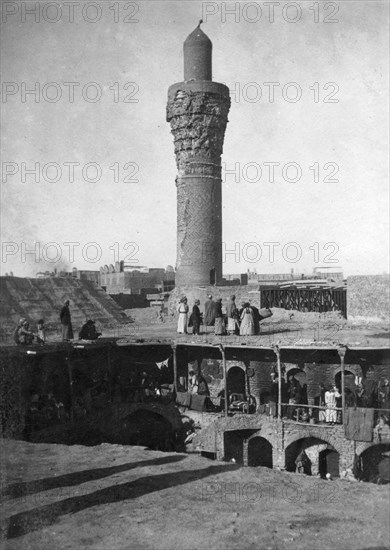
(225, 320)
(327, 403)
(44, 411)
(24, 336)
(197, 384)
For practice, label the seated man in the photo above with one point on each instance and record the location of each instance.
(88, 331)
(25, 336)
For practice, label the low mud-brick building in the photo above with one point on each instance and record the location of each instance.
(197, 110)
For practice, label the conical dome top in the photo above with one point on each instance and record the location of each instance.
(197, 55)
(197, 36)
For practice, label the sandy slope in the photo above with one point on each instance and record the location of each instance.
(111, 496)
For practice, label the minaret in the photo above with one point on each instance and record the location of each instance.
(197, 111)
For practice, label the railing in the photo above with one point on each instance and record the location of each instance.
(312, 414)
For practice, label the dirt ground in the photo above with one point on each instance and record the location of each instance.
(117, 497)
(284, 327)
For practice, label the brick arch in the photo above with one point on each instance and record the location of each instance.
(354, 369)
(364, 446)
(169, 413)
(305, 434)
(295, 367)
(271, 440)
(238, 364)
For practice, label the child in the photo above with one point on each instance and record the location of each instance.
(41, 332)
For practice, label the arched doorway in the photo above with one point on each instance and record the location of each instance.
(349, 380)
(260, 452)
(328, 463)
(236, 381)
(234, 445)
(314, 461)
(149, 429)
(371, 461)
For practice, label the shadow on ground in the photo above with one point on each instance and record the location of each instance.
(19, 490)
(44, 516)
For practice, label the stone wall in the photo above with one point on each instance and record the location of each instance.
(369, 297)
(229, 435)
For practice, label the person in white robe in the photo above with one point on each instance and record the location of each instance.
(182, 321)
(330, 403)
(247, 326)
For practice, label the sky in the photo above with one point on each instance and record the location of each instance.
(309, 91)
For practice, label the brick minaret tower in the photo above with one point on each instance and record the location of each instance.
(197, 111)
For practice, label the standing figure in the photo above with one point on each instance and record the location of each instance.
(330, 402)
(384, 394)
(66, 322)
(319, 401)
(183, 316)
(219, 320)
(247, 327)
(41, 332)
(302, 463)
(195, 317)
(209, 312)
(294, 393)
(193, 382)
(232, 316)
(361, 396)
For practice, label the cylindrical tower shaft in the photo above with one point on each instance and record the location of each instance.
(197, 111)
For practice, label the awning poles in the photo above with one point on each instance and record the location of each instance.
(222, 350)
(277, 352)
(174, 350)
(341, 352)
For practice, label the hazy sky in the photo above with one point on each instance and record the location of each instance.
(327, 127)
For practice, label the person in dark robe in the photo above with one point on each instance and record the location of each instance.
(384, 394)
(66, 322)
(203, 388)
(221, 396)
(232, 316)
(256, 319)
(350, 398)
(319, 401)
(209, 312)
(88, 331)
(195, 318)
(219, 321)
(361, 396)
(302, 463)
(294, 393)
